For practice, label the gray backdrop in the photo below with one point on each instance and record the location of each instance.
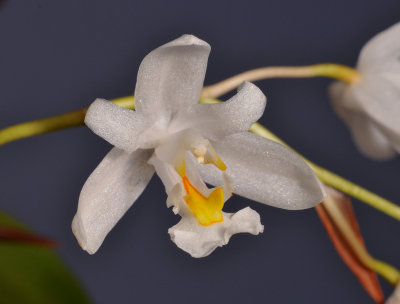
(57, 56)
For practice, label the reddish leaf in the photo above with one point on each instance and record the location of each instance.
(367, 277)
(16, 235)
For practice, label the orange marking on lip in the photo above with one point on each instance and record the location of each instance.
(207, 210)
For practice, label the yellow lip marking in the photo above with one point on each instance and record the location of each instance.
(207, 210)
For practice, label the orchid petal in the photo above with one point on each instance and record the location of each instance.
(369, 139)
(267, 172)
(119, 126)
(108, 193)
(171, 77)
(371, 110)
(382, 52)
(199, 241)
(378, 99)
(216, 121)
(370, 106)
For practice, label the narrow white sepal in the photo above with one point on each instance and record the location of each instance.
(215, 121)
(119, 126)
(108, 193)
(171, 77)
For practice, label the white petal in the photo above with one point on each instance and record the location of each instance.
(267, 172)
(171, 76)
(382, 52)
(165, 172)
(370, 140)
(119, 126)
(216, 121)
(371, 107)
(377, 99)
(108, 193)
(371, 110)
(199, 241)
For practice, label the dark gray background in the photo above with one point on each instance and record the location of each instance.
(57, 56)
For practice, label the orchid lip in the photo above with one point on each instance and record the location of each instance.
(206, 209)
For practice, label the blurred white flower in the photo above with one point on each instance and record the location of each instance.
(174, 135)
(371, 106)
(395, 297)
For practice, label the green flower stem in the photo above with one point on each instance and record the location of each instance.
(41, 126)
(76, 118)
(331, 70)
(54, 123)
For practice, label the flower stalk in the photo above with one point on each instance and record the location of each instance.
(331, 70)
(54, 123)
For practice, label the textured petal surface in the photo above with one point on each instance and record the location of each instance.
(171, 76)
(119, 126)
(370, 109)
(108, 193)
(382, 52)
(199, 241)
(267, 172)
(216, 121)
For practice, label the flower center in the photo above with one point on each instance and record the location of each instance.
(207, 210)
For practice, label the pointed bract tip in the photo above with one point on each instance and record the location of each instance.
(188, 40)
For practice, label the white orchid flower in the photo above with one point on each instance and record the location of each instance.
(371, 106)
(172, 134)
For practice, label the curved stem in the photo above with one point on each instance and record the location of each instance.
(41, 126)
(76, 118)
(331, 70)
